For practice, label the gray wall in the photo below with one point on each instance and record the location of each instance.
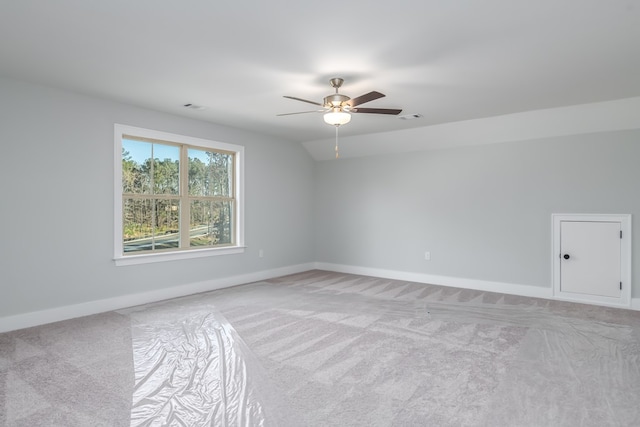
(484, 212)
(56, 184)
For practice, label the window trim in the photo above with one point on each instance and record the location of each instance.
(143, 258)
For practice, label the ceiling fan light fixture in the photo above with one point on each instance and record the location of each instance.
(337, 118)
(337, 108)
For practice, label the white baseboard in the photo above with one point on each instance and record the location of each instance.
(454, 282)
(458, 282)
(26, 320)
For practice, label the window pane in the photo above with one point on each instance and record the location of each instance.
(136, 167)
(167, 224)
(210, 173)
(178, 193)
(166, 169)
(150, 224)
(137, 225)
(211, 223)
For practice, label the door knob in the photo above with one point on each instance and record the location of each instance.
(566, 256)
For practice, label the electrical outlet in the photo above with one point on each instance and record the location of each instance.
(427, 256)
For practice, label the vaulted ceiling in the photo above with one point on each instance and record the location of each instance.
(449, 61)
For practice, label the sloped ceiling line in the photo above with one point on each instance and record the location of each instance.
(622, 114)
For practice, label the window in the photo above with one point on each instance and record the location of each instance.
(175, 196)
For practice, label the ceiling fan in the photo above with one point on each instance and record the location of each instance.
(338, 107)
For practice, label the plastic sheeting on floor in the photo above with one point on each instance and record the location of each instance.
(192, 369)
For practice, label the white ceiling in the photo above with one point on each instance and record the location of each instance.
(447, 60)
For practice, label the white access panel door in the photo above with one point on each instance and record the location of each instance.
(590, 258)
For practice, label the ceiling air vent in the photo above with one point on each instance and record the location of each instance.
(410, 116)
(195, 107)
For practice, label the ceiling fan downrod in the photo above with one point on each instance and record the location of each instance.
(336, 100)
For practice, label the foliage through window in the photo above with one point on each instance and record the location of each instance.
(177, 196)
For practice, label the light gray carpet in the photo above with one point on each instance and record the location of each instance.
(328, 349)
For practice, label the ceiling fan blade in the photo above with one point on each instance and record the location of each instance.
(367, 97)
(301, 112)
(395, 112)
(303, 100)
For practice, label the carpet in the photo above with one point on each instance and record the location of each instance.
(329, 349)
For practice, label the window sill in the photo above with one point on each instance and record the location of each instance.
(174, 256)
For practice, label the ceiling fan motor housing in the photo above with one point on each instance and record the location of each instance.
(336, 100)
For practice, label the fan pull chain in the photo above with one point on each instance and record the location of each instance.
(337, 151)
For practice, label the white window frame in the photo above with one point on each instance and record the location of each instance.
(130, 259)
